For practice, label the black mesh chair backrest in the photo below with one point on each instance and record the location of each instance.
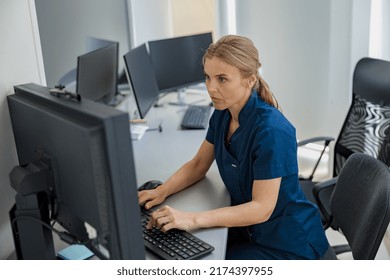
(360, 204)
(366, 128)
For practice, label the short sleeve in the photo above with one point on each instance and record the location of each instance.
(210, 136)
(275, 153)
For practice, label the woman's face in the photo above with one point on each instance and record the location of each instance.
(226, 87)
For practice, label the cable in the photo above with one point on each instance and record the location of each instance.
(34, 219)
(63, 235)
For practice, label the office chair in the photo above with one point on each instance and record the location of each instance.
(360, 204)
(366, 128)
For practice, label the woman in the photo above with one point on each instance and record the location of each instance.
(255, 148)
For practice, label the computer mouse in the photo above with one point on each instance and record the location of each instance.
(149, 185)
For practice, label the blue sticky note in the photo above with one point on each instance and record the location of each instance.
(75, 252)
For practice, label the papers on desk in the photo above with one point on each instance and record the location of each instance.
(75, 252)
(137, 131)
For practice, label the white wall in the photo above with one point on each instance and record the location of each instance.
(386, 29)
(21, 62)
(307, 51)
(348, 43)
(150, 20)
(65, 25)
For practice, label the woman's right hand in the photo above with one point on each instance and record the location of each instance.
(150, 198)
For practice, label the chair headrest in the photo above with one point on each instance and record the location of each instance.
(371, 80)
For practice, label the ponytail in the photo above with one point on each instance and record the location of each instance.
(265, 93)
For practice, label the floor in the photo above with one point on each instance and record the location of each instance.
(307, 157)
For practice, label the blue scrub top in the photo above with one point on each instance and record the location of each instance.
(264, 147)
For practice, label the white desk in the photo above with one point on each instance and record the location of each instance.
(159, 154)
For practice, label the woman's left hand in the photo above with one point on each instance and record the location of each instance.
(166, 218)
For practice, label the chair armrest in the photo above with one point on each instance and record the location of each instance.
(339, 249)
(322, 193)
(315, 139)
(325, 184)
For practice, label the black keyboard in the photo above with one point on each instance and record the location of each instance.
(196, 117)
(174, 244)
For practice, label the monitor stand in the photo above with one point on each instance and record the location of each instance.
(30, 216)
(181, 94)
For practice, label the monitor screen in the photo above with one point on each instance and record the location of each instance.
(141, 78)
(97, 74)
(88, 149)
(177, 62)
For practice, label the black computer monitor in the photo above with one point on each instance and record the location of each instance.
(141, 78)
(177, 62)
(93, 43)
(76, 168)
(97, 74)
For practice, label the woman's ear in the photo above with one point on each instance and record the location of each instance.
(252, 80)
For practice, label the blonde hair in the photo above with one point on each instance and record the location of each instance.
(241, 53)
